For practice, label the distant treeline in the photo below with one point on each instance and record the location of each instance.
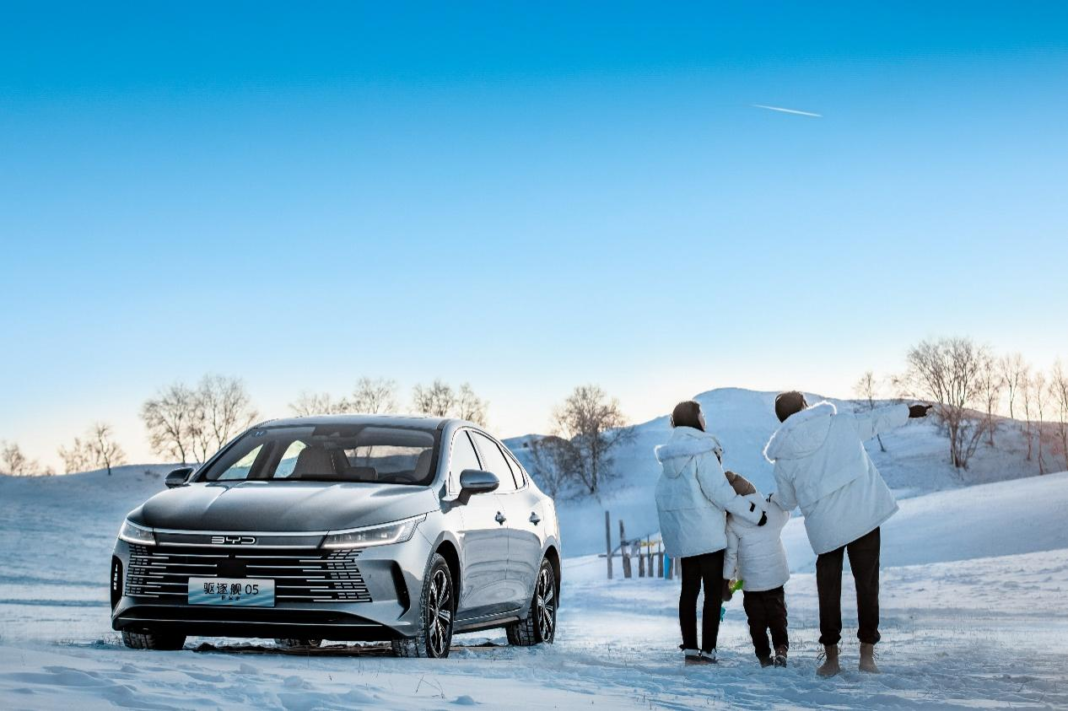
(972, 388)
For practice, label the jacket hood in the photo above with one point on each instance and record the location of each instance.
(802, 433)
(282, 506)
(685, 442)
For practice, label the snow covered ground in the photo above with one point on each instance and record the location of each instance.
(973, 616)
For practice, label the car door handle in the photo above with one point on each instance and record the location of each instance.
(535, 518)
(499, 518)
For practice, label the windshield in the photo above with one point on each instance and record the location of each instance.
(370, 453)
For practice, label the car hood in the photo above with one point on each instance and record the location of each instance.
(282, 506)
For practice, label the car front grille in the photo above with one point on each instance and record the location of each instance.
(305, 575)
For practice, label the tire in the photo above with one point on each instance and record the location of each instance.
(298, 643)
(437, 606)
(540, 625)
(158, 641)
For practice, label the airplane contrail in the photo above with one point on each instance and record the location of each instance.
(787, 111)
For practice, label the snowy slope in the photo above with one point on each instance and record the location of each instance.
(743, 420)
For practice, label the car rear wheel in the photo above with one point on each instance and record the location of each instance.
(540, 625)
(438, 606)
(153, 640)
(298, 643)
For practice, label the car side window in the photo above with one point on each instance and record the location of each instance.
(463, 457)
(493, 461)
(517, 472)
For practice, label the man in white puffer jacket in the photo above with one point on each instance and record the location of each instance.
(692, 498)
(821, 465)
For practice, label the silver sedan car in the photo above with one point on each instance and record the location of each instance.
(359, 528)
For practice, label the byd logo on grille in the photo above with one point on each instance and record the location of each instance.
(233, 540)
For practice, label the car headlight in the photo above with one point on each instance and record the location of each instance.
(381, 535)
(132, 533)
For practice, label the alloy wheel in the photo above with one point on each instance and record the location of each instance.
(439, 614)
(545, 596)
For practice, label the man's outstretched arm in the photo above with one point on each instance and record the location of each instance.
(882, 419)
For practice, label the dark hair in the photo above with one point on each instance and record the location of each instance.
(789, 403)
(687, 414)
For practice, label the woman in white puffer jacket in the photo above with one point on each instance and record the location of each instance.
(692, 497)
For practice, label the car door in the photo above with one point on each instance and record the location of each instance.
(484, 555)
(525, 512)
(524, 545)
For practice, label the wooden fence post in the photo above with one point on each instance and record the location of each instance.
(641, 560)
(608, 541)
(660, 560)
(624, 549)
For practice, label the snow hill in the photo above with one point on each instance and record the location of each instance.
(916, 461)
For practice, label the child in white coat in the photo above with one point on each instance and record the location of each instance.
(755, 555)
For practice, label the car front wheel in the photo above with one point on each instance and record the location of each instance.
(438, 606)
(540, 625)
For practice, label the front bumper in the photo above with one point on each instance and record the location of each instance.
(381, 606)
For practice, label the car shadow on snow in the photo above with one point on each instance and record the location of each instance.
(330, 650)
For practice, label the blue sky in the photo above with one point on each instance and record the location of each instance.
(525, 196)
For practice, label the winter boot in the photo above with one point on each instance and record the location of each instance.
(692, 656)
(830, 666)
(709, 657)
(780, 657)
(867, 659)
(765, 662)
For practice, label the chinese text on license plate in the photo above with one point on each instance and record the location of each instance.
(231, 591)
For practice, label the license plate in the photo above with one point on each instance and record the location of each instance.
(252, 592)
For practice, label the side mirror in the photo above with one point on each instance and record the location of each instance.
(476, 481)
(178, 477)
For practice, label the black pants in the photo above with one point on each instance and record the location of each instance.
(704, 569)
(864, 560)
(766, 610)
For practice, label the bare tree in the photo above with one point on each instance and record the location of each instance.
(374, 396)
(15, 463)
(223, 409)
(1014, 370)
(437, 399)
(949, 372)
(185, 423)
(990, 384)
(76, 459)
(317, 404)
(103, 448)
(1058, 391)
(470, 406)
(169, 419)
(1026, 395)
(594, 425)
(551, 461)
(865, 389)
(1040, 397)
